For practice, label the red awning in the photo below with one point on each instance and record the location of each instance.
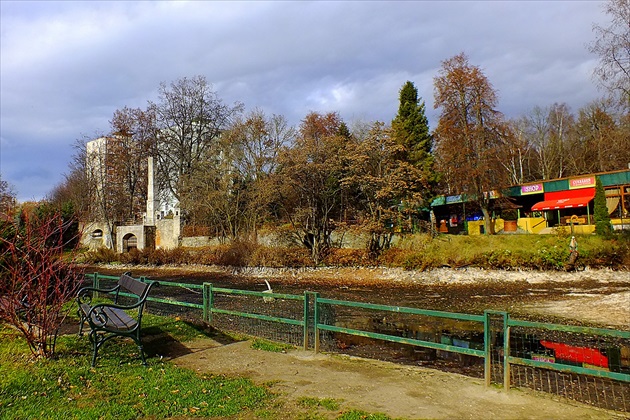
(562, 203)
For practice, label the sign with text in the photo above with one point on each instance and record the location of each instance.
(584, 182)
(531, 189)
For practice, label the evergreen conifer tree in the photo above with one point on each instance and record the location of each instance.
(411, 128)
(602, 218)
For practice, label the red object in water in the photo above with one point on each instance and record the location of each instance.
(577, 354)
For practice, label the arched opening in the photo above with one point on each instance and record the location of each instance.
(98, 233)
(130, 241)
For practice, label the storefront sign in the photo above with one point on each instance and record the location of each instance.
(531, 189)
(454, 199)
(585, 182)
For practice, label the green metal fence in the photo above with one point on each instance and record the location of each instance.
(500, 349)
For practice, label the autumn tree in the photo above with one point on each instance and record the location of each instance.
(189, 119)
(309, 181)
(233, 190)
(612, 45)
(71, 192)
(256, 141)
(378, 179)
(470, 133)
(131, 143)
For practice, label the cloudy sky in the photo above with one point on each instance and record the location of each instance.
(65, 67)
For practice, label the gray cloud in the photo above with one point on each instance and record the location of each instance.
(67, 66)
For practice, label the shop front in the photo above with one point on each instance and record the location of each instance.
(567, 207)
(542, 206)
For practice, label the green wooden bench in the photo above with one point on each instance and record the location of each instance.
(109, 320)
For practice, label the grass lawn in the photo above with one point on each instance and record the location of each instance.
(67, 387)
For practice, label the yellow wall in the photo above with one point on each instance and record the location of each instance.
(473, 227)
(532, 224)
(528, 224)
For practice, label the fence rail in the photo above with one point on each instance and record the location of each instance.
(566, 350)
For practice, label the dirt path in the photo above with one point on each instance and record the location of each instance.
(407, 392)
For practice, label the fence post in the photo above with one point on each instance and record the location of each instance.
(306, 319)
(487, 339)
(487, 369)
(316, 320)
(95, 284)
(208, 300)
(506, 351)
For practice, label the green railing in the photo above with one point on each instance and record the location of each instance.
(310, 323)
(392, 338)
(601, 332)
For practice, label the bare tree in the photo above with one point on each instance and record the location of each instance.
(517, 153)
(189, 120)
(593, 147)
(548, 132)
(7, 196)
(131, 143)
(612, 45)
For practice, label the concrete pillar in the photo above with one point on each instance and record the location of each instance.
(151, 202)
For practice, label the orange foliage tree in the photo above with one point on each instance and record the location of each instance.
(471, 133)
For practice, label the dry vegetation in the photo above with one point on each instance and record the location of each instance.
(417, 252)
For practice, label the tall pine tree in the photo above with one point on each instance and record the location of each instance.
(411, 128)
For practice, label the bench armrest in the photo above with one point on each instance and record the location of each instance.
(116, 306)
(84, 295)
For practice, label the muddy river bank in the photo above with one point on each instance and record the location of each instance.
(590, 297)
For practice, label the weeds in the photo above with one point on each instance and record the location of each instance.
(266, 345)
(327, 403)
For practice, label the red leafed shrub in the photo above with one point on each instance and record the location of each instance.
(36, 277)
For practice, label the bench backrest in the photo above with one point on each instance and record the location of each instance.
(134, 286)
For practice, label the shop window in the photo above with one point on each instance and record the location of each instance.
(626, 202)
(613, 201)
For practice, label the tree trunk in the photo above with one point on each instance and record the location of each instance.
(488, 222)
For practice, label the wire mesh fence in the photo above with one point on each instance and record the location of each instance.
(536, 358)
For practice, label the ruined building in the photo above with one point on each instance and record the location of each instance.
(159, 226)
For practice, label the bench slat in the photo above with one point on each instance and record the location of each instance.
(119, 319)
(134, 286)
